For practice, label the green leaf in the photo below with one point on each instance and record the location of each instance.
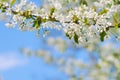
(102, 35)
(12, 3)
(76, 38)
(52, 10)
(37, 22)
(3, 10)
(68, 36)
(116, 2)
(4, 0)
(86, 21)
(115, 20)
(34, 23)
(98, 66)
(37, 25)
(118, 76)
(27, 14)
(116, 55)
(73, 0)
(83, 2)
(66, 1)
(103, 11)
(75, 18)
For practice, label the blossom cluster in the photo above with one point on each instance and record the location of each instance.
(82, 22)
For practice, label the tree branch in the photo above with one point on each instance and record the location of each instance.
(28, 15)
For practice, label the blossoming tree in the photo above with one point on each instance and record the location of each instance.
(89, 23)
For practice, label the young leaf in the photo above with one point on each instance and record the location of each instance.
(12, 3)
(68, 35)
(52, 11)
(75, 19)
(116, 2)
(103, 11)
(83, 2)
(116, 55)
(116, 20)
(102, 35)
(76, 38)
